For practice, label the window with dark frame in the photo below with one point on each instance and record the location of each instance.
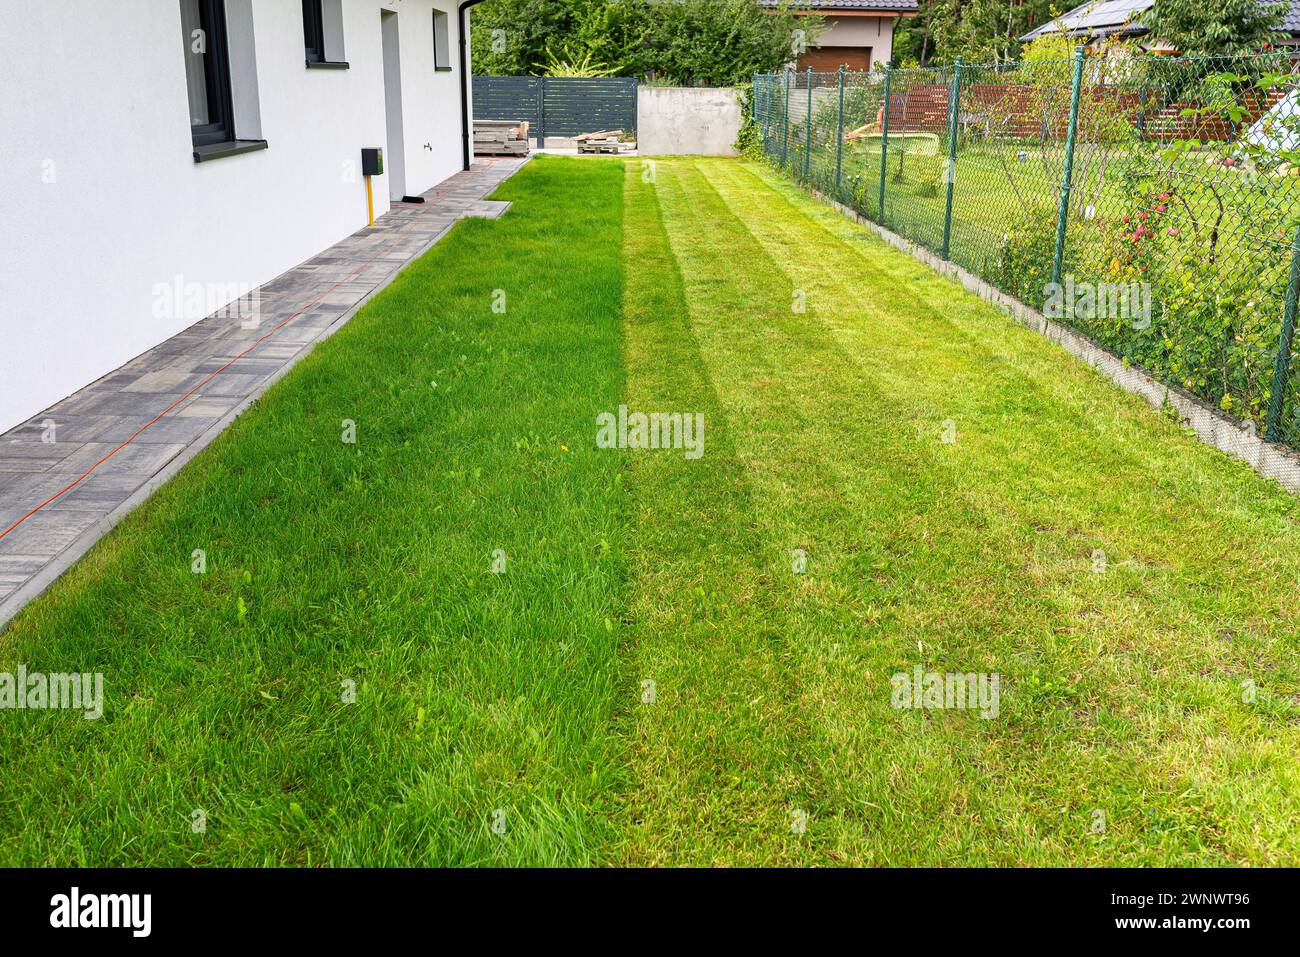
(313, 29)
(207, 71)
(441, 42)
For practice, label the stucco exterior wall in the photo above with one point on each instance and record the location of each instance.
(874, 32)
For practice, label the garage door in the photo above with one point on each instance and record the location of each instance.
(829, 59)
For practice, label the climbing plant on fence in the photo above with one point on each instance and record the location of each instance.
(1149, 202)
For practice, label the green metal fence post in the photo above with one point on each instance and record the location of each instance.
(785, 141)
(807, 136)
(951, 176)
(839, 137)
(1067, 176)
(768, 80)
(1282, 363)
(767, 106)
(884, 142)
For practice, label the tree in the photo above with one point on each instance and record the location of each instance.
(912, 43)
(687, 42)
(723, 42)
(1195, 27)
(511, 37)
(979, 31)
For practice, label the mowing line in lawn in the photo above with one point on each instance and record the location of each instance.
(842, 476)
(718, 767)
(1177, 486)
(935, 376)
(957, 619)
(894, 282)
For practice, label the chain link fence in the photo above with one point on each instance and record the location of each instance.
(1148, 202)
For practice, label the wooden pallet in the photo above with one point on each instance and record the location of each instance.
(501, 138)
(606, 148)
(603, 141)
(500, 149)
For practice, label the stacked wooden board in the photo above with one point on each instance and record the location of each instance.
(604, 141)
(501, 137)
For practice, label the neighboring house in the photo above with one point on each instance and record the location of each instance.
(1119, 20)
(859, 33)
(161, 158)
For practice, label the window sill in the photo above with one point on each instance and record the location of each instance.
(327, 64)
(442, 69)
(230, 148)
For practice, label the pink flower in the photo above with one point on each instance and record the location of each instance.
(1164, 197)
(1161, 208)
(1173, 230)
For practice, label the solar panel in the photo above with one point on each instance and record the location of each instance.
(1099, 16)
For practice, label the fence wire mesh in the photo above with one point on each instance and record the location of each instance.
(1148, 202)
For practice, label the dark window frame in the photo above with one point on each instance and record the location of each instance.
(216, 76)
(439, 54)
(313, 29)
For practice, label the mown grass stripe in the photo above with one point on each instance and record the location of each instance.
(842, 475)
(919, 373)
(717, 758)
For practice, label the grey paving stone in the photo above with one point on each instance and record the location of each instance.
(174, 429)
(488, 208)
(208, 406)
(24, 454)
(69, 429)
(101, 492)
(47, 533)
(248, 365)
(12, 512)
(231, 384)
(272, 349)
(135, 457)
(16, 569)
(128, 403)
(27, 490)
(164, 382)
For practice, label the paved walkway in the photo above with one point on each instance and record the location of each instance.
(121, 437)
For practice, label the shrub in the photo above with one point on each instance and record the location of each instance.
(1024, 264)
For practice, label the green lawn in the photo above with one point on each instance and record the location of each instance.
(1213, 270)
(967, 497)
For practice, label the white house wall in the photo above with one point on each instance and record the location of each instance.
(102, 201)
(874, 32)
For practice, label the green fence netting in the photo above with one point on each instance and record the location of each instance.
(1149, 202)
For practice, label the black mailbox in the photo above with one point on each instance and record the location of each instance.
(372, 161)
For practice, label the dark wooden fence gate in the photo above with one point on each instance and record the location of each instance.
(558, 105)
